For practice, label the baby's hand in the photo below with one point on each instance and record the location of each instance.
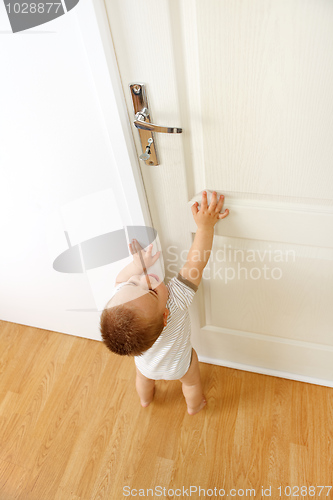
(208, 215)
(141, 258)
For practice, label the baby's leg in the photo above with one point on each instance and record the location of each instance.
(145, 388)
(192, 388)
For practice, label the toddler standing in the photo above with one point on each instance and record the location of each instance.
(150, 320)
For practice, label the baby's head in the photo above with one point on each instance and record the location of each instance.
(135, 316)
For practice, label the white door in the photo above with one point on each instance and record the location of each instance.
(67, 176)
(251, 84)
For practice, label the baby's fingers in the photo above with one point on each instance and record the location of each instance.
(220, 204)
(156, 256)
(225, 214)
(194, 208)
(135, 247)
(213, 202)
(149, 250)
(204, 200)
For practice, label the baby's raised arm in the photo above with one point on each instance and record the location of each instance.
(142, 260)
(205, 219)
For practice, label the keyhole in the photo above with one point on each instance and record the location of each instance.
(145, 156)
(150, 142)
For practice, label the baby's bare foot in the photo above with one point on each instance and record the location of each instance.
(193, 411)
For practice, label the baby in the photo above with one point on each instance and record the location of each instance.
(150, 320)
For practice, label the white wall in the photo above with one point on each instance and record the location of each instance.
(57, 173)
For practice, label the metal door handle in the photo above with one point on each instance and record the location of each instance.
(143, 125)
(145, 128)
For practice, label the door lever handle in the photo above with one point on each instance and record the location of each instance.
(146, 129)
(143, 125)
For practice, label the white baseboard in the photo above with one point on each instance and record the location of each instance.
(266, 371)
(285, 358)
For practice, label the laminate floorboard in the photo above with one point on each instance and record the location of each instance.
(72, 428)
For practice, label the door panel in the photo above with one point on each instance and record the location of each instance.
(266, 72)
(251, 83)
(273, 294)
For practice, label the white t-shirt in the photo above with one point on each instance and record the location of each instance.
(169, 358)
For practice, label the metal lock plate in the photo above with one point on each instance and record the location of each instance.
(140, 102)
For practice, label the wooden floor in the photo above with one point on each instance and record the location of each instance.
(72, 428)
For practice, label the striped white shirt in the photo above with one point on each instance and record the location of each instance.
(169, 358)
